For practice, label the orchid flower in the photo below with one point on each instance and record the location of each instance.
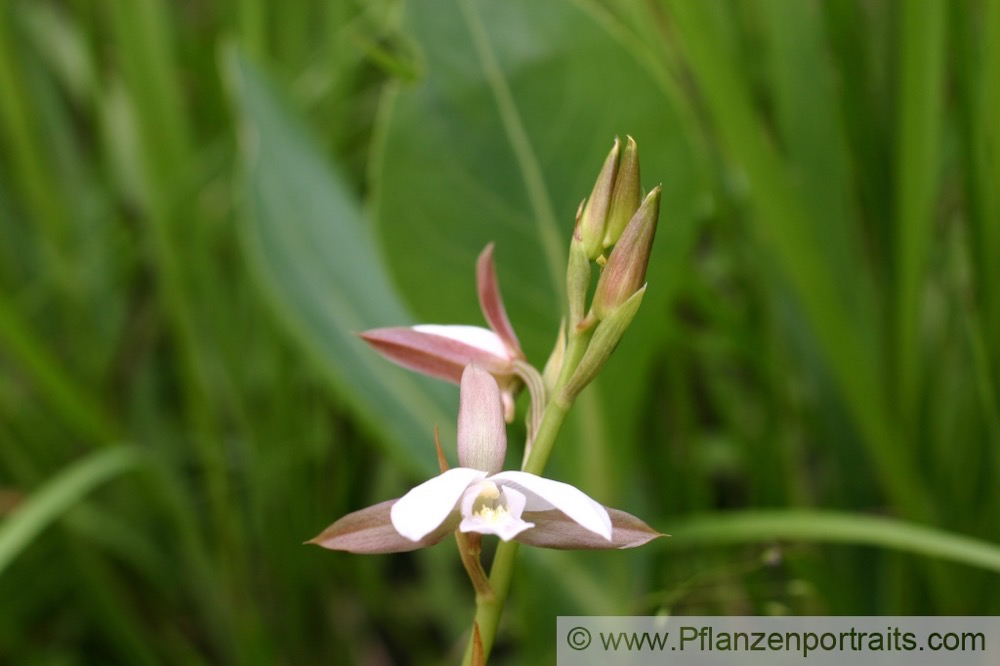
(443, 351)
(478, 497)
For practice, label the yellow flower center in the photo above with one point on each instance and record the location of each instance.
(487, 505)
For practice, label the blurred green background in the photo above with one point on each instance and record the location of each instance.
(202, 202)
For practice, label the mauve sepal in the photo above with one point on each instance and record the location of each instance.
(443, 353)
(370, 531)
(554, 529)
(491, 301)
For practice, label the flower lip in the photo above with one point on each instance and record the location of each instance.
(487, 509)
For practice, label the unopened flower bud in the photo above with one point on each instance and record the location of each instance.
(626, 196)
(595, 212)
(625, 271)
(607, 335)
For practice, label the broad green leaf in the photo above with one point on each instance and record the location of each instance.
(499, 141)
(305, 238)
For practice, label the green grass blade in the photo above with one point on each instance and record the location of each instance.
(851, 35)
(550, 237)
(59, 494)
(786, 229)
(920, 102)
(834, 527)
(70, 401)
(987, 130)
(24, 145)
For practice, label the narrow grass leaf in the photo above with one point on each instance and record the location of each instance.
(921, 81)
(785, 228)
(59, 494)
(833, 527)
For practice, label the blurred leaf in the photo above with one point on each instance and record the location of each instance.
(920, 110)
(833, 527)
(59, 494)
(813, 137)
(499, 142)
(304, 237)
(785, 227)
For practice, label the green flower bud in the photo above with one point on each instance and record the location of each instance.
(626, 196)
(595, 212)
(625, 271)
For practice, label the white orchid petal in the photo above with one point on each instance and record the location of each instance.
(545, 493)
(420, 511)
(475, 336)
(506, 528)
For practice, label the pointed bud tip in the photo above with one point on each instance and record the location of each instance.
(593, 220)
(626, 194)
